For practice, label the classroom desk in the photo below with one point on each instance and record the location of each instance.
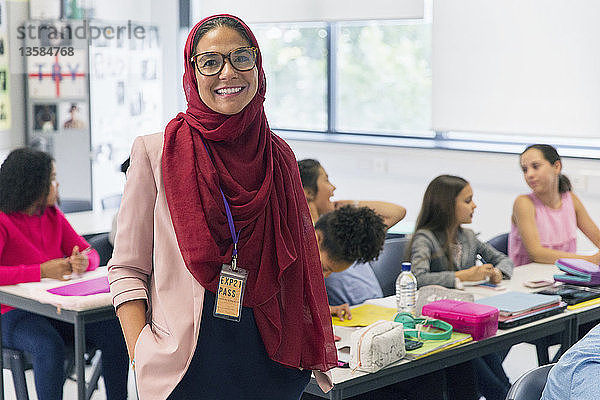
(91, 222)
(22, 296)
(349, 384)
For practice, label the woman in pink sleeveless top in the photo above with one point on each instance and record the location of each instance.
(544, 222)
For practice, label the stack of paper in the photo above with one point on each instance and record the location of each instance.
(518, 308)
(434, 346)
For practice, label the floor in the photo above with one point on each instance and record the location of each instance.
(520, 359)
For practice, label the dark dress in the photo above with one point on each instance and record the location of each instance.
(230, 362)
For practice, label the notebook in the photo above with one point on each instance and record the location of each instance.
(510, 303)
(532, 316)
(83, 288)
(572, 294)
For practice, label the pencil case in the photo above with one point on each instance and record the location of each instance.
(579, 272)
(479, 320)
(377, 346)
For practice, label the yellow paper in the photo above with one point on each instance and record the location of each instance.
(365, 315)
(584, 304)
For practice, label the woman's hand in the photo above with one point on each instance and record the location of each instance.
(341, 311)
(478, 273)
(132, 316)
(79, 261)
(56, 269)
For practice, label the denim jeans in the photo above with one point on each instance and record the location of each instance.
(44, 339)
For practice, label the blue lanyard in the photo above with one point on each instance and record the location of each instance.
(235, 237)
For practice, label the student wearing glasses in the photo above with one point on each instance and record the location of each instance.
(215, 274)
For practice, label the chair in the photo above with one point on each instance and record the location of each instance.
(500, 243)
(75, 205)
(111, 202)
(18, 362)
(530, 385)
(101, 244)
(389, 264)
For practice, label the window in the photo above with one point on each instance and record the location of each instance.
(295, 63)
(383, 78)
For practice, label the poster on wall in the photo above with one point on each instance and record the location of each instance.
(57, 76)
(44, 117)
(4, 71)
(73, 115)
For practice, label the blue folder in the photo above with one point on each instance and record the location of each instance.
(518, 302)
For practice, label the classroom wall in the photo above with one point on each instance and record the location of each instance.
(401, 175)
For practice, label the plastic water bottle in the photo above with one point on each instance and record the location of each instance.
(406, 290)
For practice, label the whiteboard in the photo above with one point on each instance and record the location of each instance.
(517, 66)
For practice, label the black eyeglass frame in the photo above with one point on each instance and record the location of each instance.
(227, 56)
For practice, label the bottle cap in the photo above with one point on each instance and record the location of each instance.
(405, 266)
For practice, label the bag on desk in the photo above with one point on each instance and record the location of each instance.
(377, 346)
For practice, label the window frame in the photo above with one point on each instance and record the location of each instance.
(448, 140)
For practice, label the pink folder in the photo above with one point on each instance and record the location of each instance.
(84, 288)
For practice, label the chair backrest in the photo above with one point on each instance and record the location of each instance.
(530, 385)
(101, 244)
(111, 202)
(500, 243)
(75, 205)
(389, 264)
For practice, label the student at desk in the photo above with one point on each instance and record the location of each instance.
(357, 282)
(544, 222)
(36, 241)
(442, 252)
(345, 236)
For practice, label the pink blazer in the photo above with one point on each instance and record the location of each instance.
(145, 234)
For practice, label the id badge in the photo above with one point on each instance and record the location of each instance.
(230, 293)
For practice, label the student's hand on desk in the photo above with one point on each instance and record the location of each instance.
(341, 311)
(58, 268)
(496, 276)
(478, 273)
(79, 261)
(595, 258)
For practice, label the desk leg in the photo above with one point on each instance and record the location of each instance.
(79, 353)
(1, 363)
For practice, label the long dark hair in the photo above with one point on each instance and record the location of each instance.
(551, 155)
(24, 179)
(438, 211)
(309, 173)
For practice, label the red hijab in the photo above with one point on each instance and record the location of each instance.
(258, 173)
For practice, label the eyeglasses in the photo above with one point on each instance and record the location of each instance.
(211, 62)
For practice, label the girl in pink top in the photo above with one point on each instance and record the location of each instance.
(36, 241)
(544, 222)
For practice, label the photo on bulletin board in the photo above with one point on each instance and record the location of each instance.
(149, 69)
(3, 80)
(56, 34)
(73, 115)
(136, 104)
(4, 112)
(44, 117)
(120, 92)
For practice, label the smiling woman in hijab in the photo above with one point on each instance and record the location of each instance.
(215, 274)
